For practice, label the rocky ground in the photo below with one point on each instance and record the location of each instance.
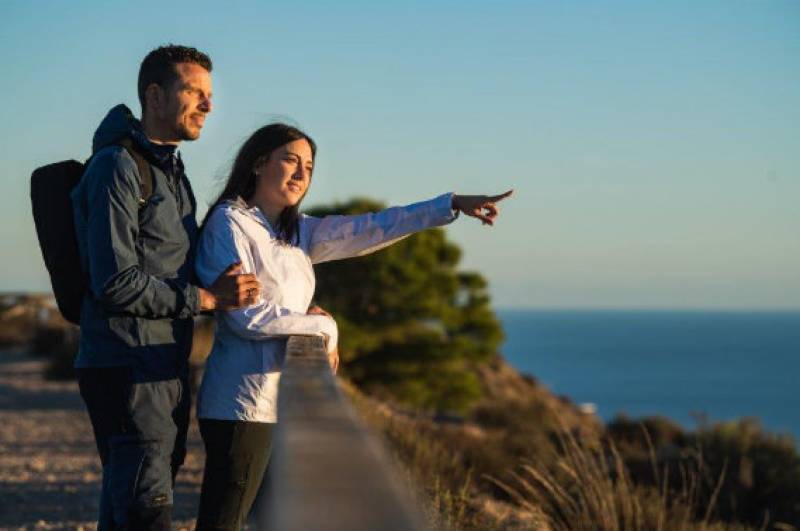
(49, 469)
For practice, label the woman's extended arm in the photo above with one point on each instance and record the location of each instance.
(337, 237)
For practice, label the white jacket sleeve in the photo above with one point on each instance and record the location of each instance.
(338, 237)
(223, 243)
(264, 320)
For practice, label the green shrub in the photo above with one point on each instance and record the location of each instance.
(432, 460)
(47, 340)
(410, 322)
(61, 348)
(760, 471)
(589, 487)
(763, 479)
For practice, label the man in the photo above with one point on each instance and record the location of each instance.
(137, 246)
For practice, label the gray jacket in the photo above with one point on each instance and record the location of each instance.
(139, 257)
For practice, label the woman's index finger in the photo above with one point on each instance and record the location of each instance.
(496, 198)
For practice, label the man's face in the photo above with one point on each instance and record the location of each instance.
(187, 102)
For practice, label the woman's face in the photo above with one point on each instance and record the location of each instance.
(282, 180)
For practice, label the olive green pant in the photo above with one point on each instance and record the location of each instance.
(237, 455)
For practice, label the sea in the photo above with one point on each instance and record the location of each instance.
(689, 366)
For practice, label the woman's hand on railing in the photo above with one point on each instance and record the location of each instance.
(333, 356)
(316, 310)
(333, 359)
(483, 207)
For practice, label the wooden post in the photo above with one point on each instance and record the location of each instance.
(327, 472)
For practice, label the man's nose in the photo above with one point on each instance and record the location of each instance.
(205, 105)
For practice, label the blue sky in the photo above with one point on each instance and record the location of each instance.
(654, 147)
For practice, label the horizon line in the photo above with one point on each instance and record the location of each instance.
(572, 308)
(731, 309)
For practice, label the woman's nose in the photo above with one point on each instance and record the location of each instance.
(302, 174)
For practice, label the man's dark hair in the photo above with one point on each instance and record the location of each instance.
(159, 66)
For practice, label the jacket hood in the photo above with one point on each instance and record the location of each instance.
(118, 124)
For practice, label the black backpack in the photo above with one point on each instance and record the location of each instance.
(51, 186)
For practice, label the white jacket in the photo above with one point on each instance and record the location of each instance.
(242, 372)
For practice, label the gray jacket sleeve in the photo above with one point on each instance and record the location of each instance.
(116, 279)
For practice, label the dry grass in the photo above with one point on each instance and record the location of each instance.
(589, 487)
(432, 459)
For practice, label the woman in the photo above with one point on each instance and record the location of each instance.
(255, 223)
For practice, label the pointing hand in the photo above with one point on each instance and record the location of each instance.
(483, 207)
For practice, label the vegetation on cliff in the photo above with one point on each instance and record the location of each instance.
(412, 325)
(420, 334)
(488, 447)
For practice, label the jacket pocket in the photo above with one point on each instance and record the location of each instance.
(126, 328)
(159, 331)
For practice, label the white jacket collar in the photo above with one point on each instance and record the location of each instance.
(252, 211)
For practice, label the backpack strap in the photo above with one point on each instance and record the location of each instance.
(145, 171)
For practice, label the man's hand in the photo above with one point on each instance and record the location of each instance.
(232, 289)
(333, 357)
(483, 207)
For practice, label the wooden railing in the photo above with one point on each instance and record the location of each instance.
(327, 472)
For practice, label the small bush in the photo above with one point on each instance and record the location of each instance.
(763, 480)
(14, 331)
(19, 314)
(638, 436)
(432, 459)
(47, 340)
(61, 349)
(514, 431)
(589, 487)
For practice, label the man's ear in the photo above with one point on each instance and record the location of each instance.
(155, 98)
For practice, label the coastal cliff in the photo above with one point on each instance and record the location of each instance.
(520, 457)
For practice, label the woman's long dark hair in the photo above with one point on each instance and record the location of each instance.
(242, 179)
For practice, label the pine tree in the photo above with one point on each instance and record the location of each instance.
(411, 325)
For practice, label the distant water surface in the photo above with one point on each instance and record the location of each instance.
(723, 364)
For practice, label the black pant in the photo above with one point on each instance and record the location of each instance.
(140, 430)
(237, 455)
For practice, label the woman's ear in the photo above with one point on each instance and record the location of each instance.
(260, 163)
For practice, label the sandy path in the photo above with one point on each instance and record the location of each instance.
(49, 469)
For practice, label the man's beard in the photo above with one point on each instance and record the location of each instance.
(184, 133)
